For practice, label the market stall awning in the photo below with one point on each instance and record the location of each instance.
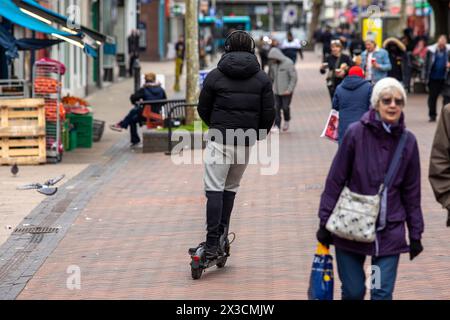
(11, 12)
(41, 11)
(13, 45)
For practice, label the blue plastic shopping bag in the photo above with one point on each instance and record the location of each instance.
(321, 282)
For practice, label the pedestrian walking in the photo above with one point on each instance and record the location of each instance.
(356, 45)
(325, 39)
(398, 57)
(436, 73)
(133, 49)
(291, 47)
(351, 99)
(317, 42)
(151, 90)
(375, 62)
(284, 77)
(263, 47)
(236, 97)
(418, 58)
(439, 172)
(337, 64)
(179, 60)
(360, 168)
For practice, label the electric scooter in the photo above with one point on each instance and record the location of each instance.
(199, 262)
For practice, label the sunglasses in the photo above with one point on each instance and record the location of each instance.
(388, 101)
(336, 42)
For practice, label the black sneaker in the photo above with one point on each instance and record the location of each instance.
(194, 250)
(211, 253)
(222, 251)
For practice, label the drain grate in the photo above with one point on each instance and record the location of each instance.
(36, 230)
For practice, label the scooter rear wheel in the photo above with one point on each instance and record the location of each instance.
(196, 273)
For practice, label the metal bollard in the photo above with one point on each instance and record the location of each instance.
(137, 75)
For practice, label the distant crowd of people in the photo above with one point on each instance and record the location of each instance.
(408, 59)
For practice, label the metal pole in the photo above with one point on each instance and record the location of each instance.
(270, 5)
(32, 58)
(169, 117)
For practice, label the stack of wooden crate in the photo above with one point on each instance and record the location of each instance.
(22, 131)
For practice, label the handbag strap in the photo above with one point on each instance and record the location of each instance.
(388, 180)
(395, 160)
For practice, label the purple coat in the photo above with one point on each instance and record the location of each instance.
(361, 163)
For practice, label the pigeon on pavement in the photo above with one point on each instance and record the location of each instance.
(15, 169)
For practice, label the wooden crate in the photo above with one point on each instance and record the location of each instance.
(22, 131)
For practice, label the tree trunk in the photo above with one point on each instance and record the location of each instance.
(441, 9)
(316, 10)
(403, 16)
(192, 62)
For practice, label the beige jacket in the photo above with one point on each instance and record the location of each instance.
(439, 173)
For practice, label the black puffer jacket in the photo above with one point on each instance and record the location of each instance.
(237, 95)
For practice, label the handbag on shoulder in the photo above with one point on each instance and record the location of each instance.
(355, 215)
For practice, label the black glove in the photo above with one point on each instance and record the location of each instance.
(415, 248)
(324, 236)
(448, 218)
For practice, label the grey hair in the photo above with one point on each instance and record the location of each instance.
(386, 85)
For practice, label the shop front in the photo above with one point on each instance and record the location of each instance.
(45, 57)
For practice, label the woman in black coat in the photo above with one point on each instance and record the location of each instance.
(337, 64)
(399, 60)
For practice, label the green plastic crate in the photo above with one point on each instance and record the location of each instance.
(73, 143)
(84, 125)
(65, 135)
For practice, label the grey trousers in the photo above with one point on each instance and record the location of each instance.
(224, 166)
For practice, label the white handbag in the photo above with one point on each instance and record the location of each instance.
(355, 216)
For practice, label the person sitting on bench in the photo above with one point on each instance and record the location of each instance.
(151, 90)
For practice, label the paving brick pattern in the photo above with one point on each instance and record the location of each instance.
(131, 239)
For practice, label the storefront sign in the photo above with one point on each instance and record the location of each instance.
(373, 29)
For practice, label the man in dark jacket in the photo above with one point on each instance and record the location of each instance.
(151, 90)
(436, 72)
(237, 103)
(133, 49)
(357, 45)
(326, 38)
(352, 99)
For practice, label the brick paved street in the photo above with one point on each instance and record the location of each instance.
(109, 105)
(141, 213)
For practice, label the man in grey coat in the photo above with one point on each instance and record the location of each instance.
(439, 172)
(284, 77)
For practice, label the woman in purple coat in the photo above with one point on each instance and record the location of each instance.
(360, 164)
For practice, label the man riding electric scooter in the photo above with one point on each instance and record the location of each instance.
(236, 99)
